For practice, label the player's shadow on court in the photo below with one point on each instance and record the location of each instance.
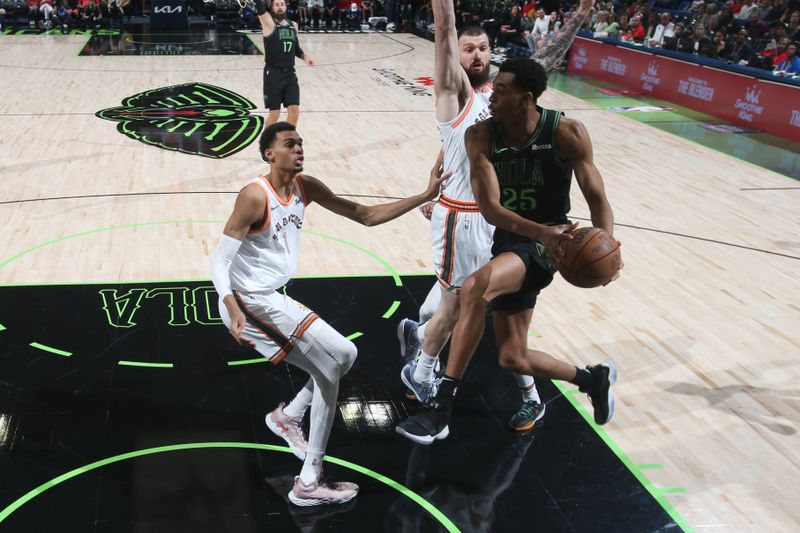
(722, 399)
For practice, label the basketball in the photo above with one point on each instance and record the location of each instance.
(591, 258)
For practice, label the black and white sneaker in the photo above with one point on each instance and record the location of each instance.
(426, 426)
(601, 394)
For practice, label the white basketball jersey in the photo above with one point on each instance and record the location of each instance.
(457, 187)
(268, 255)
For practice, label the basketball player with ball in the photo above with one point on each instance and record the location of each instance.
(521, 165)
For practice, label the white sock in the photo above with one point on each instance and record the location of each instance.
(424, 371)
(312, 467)
(420, 331)
(301, 402)
(528, 388)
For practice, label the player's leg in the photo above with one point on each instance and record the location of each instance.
(291, 99)
(419, 375)
(326, 355)
(511, 332)
(502, 275)
(272, 95)
(286, 421)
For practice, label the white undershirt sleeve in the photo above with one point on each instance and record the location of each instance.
(221, 263)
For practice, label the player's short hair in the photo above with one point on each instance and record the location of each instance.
(471, 31)
(269, 135)
(529, 76)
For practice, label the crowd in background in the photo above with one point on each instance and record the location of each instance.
(757, 33)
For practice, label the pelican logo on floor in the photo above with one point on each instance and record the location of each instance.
(192, 118)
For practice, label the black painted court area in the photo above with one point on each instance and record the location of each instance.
(60, 412)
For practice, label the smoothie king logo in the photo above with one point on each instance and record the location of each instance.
(749, 106)
(580, 58)
(650, 78)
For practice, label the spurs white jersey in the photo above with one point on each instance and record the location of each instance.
(457, 187)
(267, 257)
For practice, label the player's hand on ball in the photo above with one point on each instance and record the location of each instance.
(621, 266)
(553, 238)
(238, 323)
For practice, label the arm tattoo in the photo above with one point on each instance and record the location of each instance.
(550, 54)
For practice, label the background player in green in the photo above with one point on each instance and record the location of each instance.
(521, 164)
(280, 48)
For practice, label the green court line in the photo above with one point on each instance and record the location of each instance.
(569, 394)
(146, 365)
(534, 334)
(50, 349)
(422, 502)
(397, 281)
(671, 490)
(2, 327)
(389, 312)
(248, 361)
(355, 335)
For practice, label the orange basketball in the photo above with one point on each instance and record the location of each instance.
(592, 258)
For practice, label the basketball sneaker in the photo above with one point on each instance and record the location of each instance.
(426, 426)
(601, 394)
(289, 429)
(321, 492)
(527, 416)
(407, 335)
(424, 392)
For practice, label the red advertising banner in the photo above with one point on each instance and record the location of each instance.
(766, 105)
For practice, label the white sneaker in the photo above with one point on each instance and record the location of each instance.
(321, 492)
(289, 429)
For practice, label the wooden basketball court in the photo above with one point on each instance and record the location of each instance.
(702, 324)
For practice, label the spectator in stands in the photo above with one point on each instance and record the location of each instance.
(554, 24)
(780, 51)
(48, 14)
(352, 17)
(664, 29)
(541, 26)
(764, 9)
(755, 27)
(741, 51)
(600, 28)
(34, 14)
(736, 6)
(331, 13)
(725, 21)
(511, 31)
(751, 7)
(701, 45)
(635, 32)
(790, 66)
(115, 12)
(793, 26)
(678, 42)
(91, 16)
(719, 47)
